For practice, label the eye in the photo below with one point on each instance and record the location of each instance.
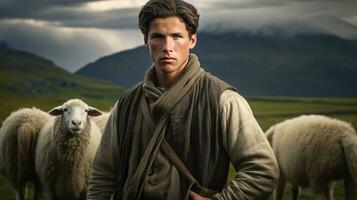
(86, 110)
(177, 36)
(65, 109)
(155, 36)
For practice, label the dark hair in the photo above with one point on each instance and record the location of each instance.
(168, 8)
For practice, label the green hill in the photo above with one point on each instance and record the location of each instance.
(27, 74)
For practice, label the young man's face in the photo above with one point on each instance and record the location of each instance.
(169, 44)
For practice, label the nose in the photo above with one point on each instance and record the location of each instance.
(168, 44)
(76, 122)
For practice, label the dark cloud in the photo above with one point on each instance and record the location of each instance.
(285, 26)
(43, 3)
(15, 9)
(245, 4)
(67, 32)
(72, 34)
(70, 14)
(291, 17)
(113, 19)
(67, 47)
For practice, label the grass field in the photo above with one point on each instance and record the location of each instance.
(268, 111)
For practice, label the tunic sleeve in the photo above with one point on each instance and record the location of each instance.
(248, 150)
(103, 180)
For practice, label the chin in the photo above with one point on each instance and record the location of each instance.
(167, 68)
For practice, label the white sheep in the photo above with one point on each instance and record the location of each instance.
(314, 150)
(18, 137)
(65, 150)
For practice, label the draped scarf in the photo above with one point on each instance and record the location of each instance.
(165, 100)
(161, 103)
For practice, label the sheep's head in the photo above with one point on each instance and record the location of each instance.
(75, 114)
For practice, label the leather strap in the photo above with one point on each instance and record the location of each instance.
(181, 167)
(173, 157)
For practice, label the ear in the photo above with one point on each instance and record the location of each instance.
(94, 112)
(56, 111)
(193, 41)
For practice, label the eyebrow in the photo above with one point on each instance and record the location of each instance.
(170, 34)
(176, 34)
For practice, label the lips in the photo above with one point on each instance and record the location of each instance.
(167, 58)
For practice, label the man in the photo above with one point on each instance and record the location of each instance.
(174, 135)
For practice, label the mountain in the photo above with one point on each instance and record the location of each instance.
(124, 68)
(25, 73)
(315, 65)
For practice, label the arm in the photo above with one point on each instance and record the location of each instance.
(104, 176)
(248, 150)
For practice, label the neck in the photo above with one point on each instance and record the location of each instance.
(166, 80)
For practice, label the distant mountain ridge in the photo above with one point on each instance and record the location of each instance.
(26, 73)
(298, 65)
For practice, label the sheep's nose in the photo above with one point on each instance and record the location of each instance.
(76, 122)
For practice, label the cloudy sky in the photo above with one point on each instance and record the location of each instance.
(74, 33)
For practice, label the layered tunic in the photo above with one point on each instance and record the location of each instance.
(206, 122)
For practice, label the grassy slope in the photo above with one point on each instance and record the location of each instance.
(268, 110)
(29, 74)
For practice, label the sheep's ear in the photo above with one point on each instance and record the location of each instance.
(56, 111)
(94, 112)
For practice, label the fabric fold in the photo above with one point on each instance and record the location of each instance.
(163, 103)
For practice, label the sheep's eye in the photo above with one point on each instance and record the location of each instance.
(86, 110)
(65, 109)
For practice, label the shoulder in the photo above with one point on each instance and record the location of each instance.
(129, 95)
(131, 91)
(217, 82)
(214, 86)
(231, 99)
(128, 102)
(231, 95)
